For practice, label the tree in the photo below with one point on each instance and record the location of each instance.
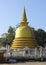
(11, 30)
(40, 37)
(4, 35)
(11, 34)
(2, 40)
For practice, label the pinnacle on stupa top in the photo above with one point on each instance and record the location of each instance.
(24, 18)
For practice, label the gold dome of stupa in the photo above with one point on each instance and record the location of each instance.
(26, 31)
(24, 35)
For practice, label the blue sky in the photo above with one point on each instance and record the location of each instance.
(11, 13)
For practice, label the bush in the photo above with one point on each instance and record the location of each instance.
(38, 58)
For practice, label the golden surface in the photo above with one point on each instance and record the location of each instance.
(24, 31)
(23, 42)
(24, 35)
(24, 19)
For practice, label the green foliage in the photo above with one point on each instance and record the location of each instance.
(2, 40)
(11, 30)
(38, 58)
(40, 36)
(10, 35)
(4, 35)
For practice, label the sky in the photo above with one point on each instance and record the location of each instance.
(11, 13)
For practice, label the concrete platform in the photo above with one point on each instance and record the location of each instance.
(28, 63)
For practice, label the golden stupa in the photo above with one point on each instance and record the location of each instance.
(24, 35)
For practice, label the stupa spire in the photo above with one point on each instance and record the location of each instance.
(24, 18)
